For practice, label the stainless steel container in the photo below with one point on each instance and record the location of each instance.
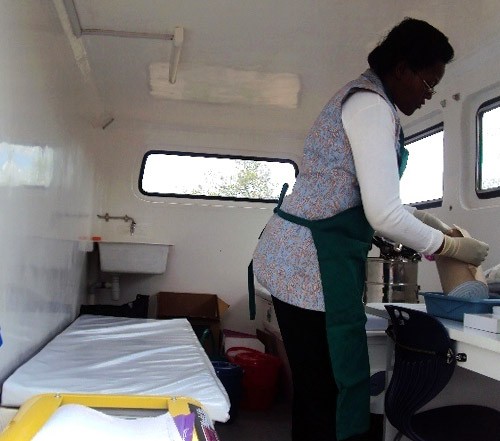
(391, 280)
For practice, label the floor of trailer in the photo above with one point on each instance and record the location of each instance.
(273, 424)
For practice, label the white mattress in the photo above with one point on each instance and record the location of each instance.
(116, 355)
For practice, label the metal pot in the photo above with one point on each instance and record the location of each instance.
(391, 280)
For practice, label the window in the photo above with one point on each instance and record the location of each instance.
(488, 150)
(422, 181)
(211, 176)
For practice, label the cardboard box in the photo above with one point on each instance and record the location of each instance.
(204, 311)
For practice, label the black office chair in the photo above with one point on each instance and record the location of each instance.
(424, 363)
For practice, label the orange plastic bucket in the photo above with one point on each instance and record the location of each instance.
(260, 376)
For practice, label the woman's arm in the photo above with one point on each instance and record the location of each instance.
(370, 126)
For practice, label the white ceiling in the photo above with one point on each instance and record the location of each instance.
(324, 42)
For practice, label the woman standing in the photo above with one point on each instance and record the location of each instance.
(311, 255)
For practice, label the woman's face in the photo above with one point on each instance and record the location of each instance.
(413, 88)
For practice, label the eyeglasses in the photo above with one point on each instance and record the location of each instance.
(430, 89)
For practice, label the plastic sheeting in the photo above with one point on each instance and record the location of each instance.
(78, 422)
(117, 355)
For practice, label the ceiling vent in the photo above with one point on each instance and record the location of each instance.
(212, 84)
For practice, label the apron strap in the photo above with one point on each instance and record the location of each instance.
(293, 219)
(403, 154)
(282, 195)
(251, 291)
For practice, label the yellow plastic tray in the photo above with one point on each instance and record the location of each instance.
(34, 413)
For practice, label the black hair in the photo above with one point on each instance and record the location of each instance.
(413, 41)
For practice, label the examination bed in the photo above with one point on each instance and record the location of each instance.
(121, 356)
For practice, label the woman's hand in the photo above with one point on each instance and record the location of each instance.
(466, 249)
(432, 221)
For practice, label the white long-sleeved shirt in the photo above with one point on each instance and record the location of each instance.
(369, 124)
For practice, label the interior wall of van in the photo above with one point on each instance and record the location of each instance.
(70, 159)
(212, 241)
(46, 180)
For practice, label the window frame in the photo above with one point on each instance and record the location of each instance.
(208, 155)
(429, 131)
(490, 104)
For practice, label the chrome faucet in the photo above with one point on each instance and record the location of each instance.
(126, 218)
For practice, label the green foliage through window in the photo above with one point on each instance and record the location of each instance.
(205, 176)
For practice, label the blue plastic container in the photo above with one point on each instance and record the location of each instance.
(231, 376)
(452, 308)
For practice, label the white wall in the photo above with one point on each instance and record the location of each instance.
(212, 241)
(42, 103)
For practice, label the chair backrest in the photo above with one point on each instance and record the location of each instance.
(424, 363)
